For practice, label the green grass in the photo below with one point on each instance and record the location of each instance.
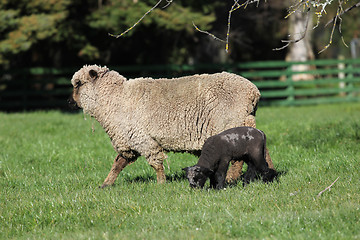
(52, 163)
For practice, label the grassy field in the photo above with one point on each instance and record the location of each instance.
(51, 165)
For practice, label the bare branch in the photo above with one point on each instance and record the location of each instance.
(300, 5)
(303, 34)
(168, 3)
(211, 35)
(320, 10)
(157, 4)
(345, 11)
(339, 13)
(234, 7)
(328, 188)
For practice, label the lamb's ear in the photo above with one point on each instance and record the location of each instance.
(185, 169)
(93, 75)
(206, 171)
(192, 168)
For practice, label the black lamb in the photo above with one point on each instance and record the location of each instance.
(240, 143)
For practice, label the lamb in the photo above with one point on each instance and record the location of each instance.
(241, 143)
(149, 117)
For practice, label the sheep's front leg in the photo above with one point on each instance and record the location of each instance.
(154, 155)
(156, 162)
(119, 164)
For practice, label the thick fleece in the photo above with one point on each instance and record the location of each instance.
(148, 117)
(241, 143)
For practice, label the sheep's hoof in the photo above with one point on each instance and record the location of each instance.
(103, 186)
(161, 179)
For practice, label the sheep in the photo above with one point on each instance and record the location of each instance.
(148, 117)
(240, 143)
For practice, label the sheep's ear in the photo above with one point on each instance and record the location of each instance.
(93, 74)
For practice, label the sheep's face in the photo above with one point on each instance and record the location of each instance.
(197, 176)
(84, 94)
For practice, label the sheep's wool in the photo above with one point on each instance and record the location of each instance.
(147, 116)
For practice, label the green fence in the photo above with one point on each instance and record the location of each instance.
(280, 82)
(320, 81)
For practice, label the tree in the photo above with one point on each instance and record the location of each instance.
(165, 34)
(75, 32)
(314, 7)
(301, 51)
(42, 32)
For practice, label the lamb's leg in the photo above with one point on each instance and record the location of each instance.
(236, 166)
(249, 175)
(250, 122)
(213, 181)
(235, 169)
(220, 173)
(119, 164)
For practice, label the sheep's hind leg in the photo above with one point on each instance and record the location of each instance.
(268, 159)
(234, 171)
(119, 164)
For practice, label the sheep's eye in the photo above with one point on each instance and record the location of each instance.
(77, 84)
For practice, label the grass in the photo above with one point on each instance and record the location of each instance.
(51, 165)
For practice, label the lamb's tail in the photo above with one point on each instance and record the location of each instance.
(264, 146)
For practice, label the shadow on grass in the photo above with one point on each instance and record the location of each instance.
(173, 177)
(258, 178)
(181, 176)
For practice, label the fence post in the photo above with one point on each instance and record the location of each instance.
(341, 75)
(350, 76)
(25, 86)
(290, 85)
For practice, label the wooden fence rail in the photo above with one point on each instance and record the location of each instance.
(324, 81)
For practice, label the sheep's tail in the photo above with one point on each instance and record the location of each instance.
(256, 100)
(255, 109)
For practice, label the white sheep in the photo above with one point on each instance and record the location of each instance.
(148, 117)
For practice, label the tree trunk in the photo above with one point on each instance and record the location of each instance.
(302, 50)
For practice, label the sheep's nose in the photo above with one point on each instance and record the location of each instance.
(72, 104)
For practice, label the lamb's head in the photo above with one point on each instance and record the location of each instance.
(84, 93)
(197, 175)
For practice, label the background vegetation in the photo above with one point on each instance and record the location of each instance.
(52, 163)
(70, 33)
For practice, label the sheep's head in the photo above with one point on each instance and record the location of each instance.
(84, 93)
